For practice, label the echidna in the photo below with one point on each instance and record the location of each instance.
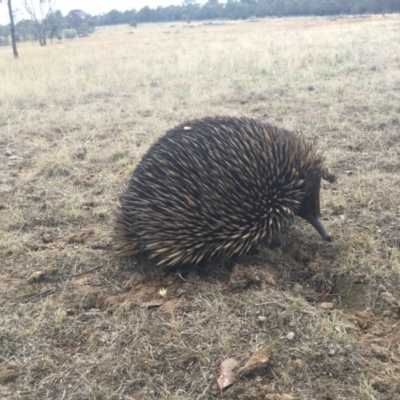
(215, 187)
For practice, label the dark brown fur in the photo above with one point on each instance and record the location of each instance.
(215, 187)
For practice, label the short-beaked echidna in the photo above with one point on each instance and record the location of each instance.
(215, 187)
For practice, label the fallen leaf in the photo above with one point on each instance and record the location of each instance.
(154, 303)
(227, 375)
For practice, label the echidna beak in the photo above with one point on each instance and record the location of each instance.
(318, 225)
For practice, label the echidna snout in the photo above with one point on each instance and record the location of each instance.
(216, 187)
(319, 227)
(310, 211)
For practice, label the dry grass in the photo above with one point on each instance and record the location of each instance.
(75, 118)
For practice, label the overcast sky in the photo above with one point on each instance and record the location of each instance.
(93, 7)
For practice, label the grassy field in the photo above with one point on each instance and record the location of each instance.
(76, 117)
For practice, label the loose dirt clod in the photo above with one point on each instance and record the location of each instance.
(261, 359)
(10, 371)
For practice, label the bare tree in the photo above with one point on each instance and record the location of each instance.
(12, 28)
(38, 11)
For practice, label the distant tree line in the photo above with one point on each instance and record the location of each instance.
(244, 9)
(79, 23)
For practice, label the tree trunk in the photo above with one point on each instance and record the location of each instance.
(42, 35)
(13, 38)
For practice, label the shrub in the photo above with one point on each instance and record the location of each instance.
(70, 33)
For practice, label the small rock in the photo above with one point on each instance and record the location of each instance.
(261, 318)
(327, 306)
(290, 336)
(8, 153)
(47, 237)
